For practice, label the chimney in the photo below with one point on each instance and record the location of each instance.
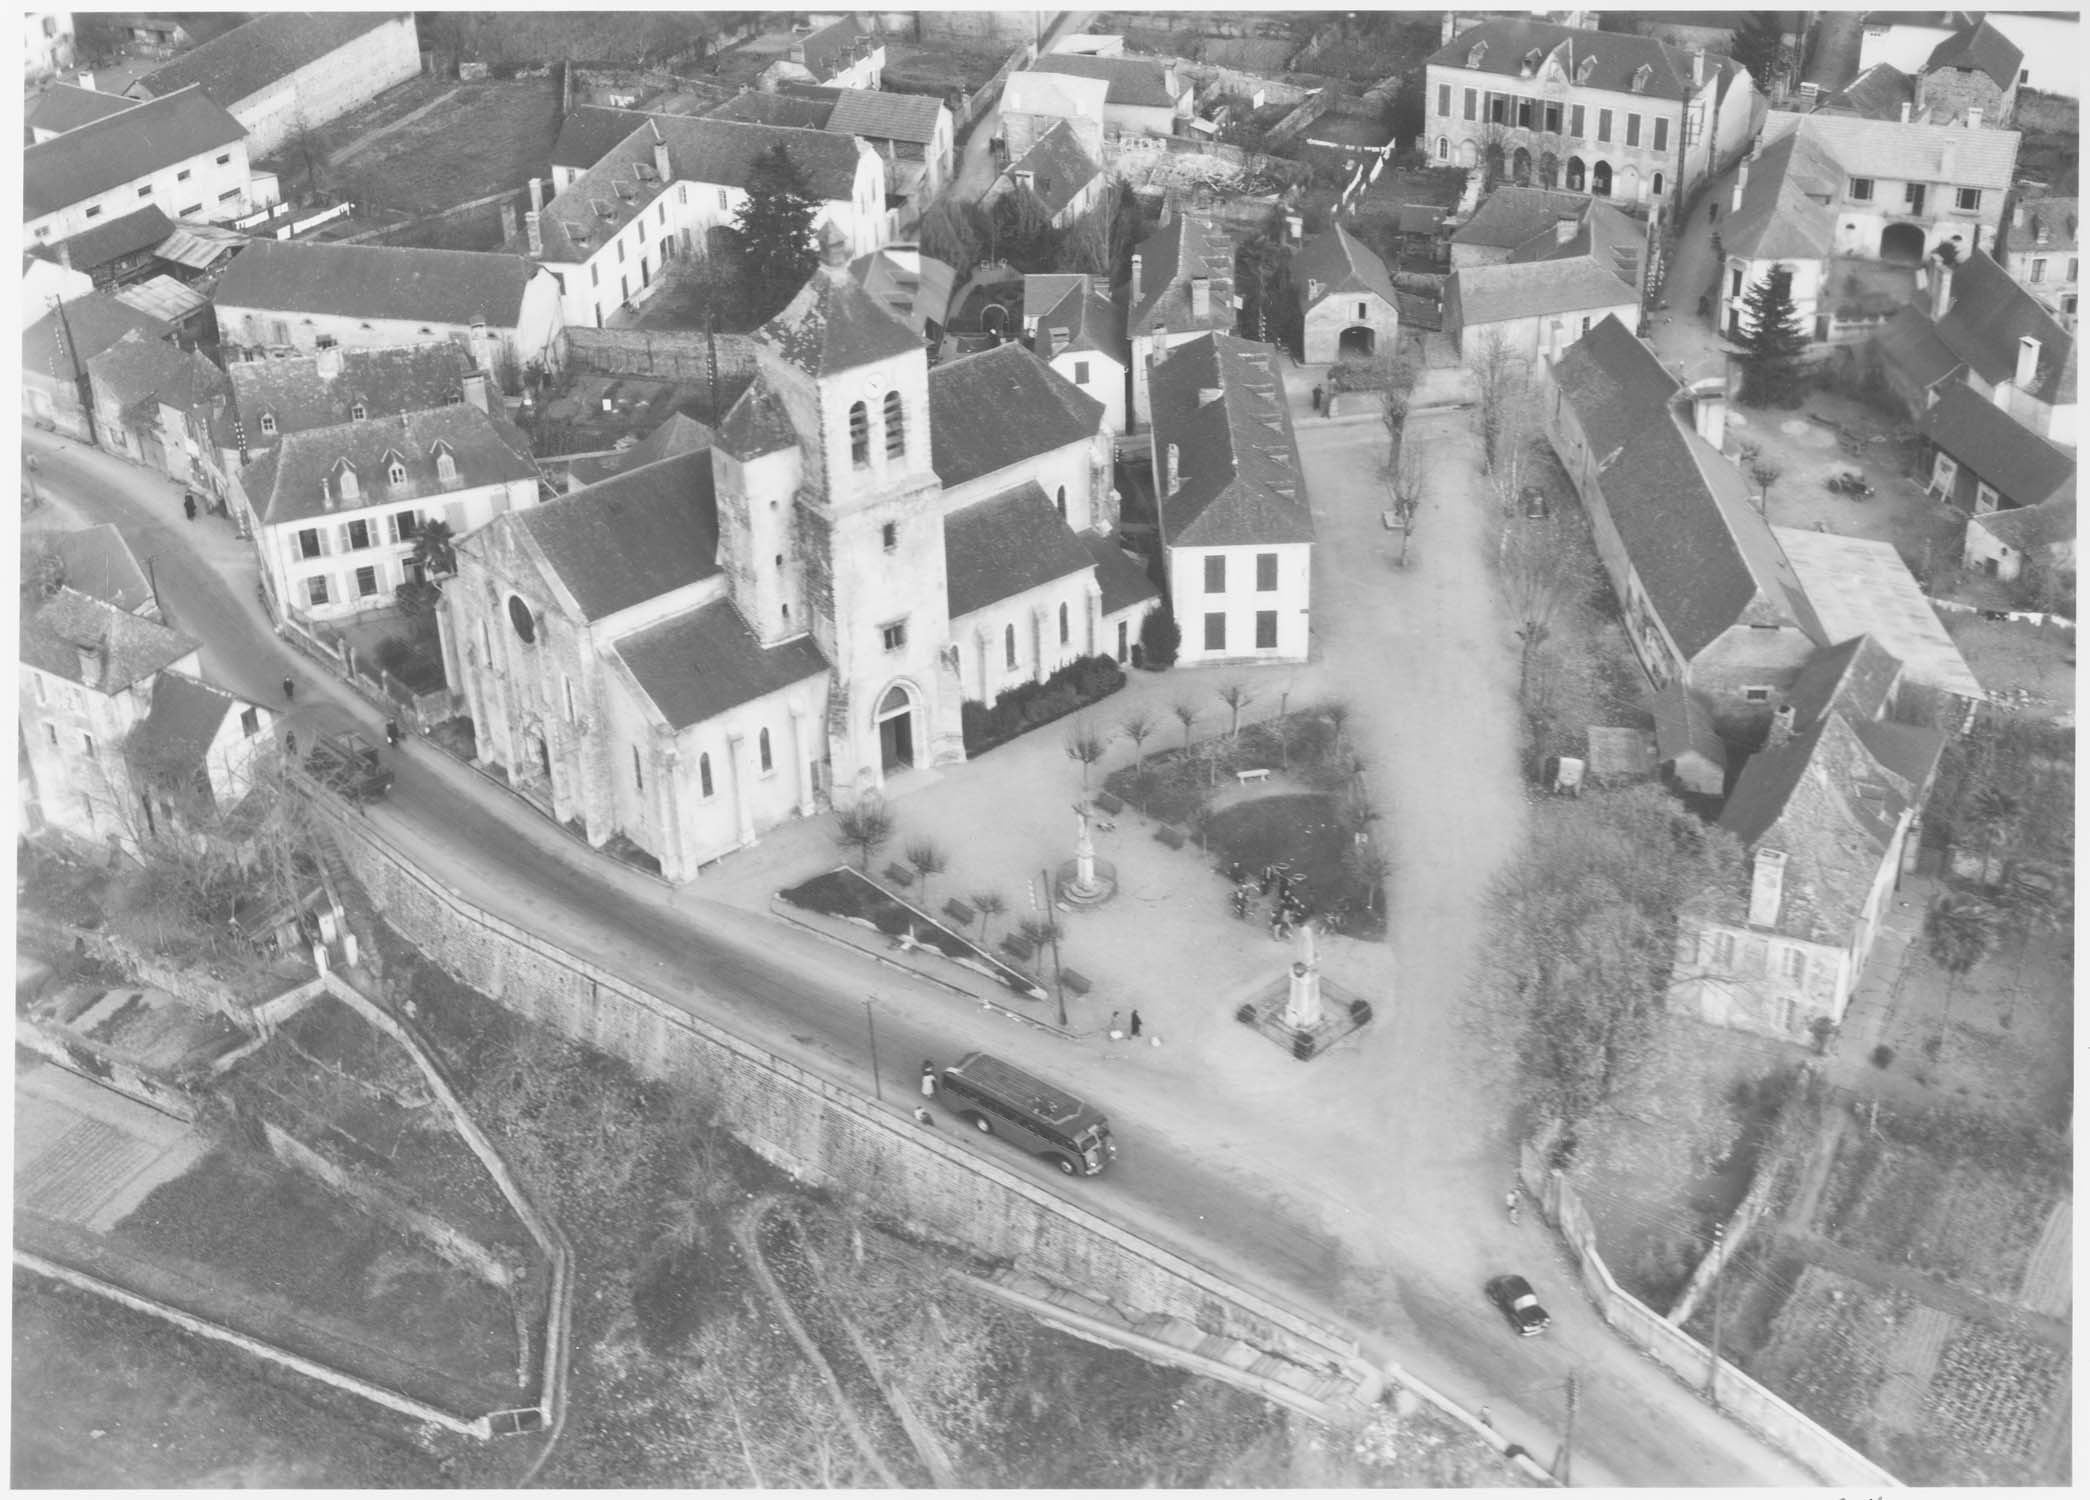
(1698, 68)
(91, 665)
(1709, 413)
(2027, 362)
(1905, 108)
(1940, 291)
(1450, 30)
(1973, 119)
(536, 195)
(507, 222)
(533, 221)
(1201, 296)
(1741, 183)
(1781, 729)
(2017, 215)
(660, 160)
(475, 389)
(1175, 469)
(1767, 888)
(86, 80)
(328, 362)
(1137, 261)
(1564, 230)
(65, 254)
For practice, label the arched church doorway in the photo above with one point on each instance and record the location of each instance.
(895, 717)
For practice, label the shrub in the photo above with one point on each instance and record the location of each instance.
(1882, 1055)
(1029, 704)
(1245, 1013)
(1361, 1011)
(1160, 638)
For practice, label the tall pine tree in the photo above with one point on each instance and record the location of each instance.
(773, 232)
(1758, 45)
(1774, 339)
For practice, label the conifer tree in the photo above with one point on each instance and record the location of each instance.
(774, 230)
(1774, 339)
(1758, 45)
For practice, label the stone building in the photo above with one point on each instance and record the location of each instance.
(182, 153)
(1970, 78)
(1345, 297)
(698, 648)
(1577, 271)
(1182, 286)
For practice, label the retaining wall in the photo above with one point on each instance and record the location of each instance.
(815, 1130)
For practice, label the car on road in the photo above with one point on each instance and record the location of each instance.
(1520, 1304)
(349, 765)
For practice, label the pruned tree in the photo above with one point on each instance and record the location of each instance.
(1773, 341)
(1397, 372)
(773, 232)
(1236, 696)
(1764, 473)
(864, 827)
(1160, 637)
(1186, 714)
(1406, 484)
(1085, 745)
(1337, 713)
(929, 859)
(989, 904)
(1540, 575)
(1502, 386)
(1138, 727)
(1581, 936)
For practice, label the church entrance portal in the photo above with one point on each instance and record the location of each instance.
(895, 731)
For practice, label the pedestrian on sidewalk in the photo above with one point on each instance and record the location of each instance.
(290, 743)
(928, 1079)
(1135, 1023)
(290, 690)
(1117, 1032)
(392, 733)
(188, 505)
(923, 1117)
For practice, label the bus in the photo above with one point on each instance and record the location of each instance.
(999, 1099)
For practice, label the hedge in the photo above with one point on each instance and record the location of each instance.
(1080, 682)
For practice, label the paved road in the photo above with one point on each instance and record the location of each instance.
(976, 171)
(1377, 1202)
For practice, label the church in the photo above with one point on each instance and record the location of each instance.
(714, 640)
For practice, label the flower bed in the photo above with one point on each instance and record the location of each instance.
(854, 897)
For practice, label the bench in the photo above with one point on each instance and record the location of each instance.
(1108, 805)
(1260, 773)
(1016, 948)
(1169, 836)
(1075, 982)
(899, 875)
(958, 912)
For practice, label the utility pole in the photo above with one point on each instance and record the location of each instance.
(1052, 927)
(1712, 1373)
(871, 1026)
(711, 345)
(80, 381)
(1567, 1441)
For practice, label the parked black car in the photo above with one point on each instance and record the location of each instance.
(1520, 1304)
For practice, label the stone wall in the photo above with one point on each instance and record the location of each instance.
(680, 354)
(817, 1131)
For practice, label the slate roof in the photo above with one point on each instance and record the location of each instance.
(377, 281)
(122, 148)
(833, 324)
(1916, 153)
(1188, 246)
(1059, 168)
(185, 717)
(637, 536)
(2031, 527)
(131, 647)
(2053, 217)
(1477, 296)
(2023, 467)
(1909, 342)
(64, 107)
(834, 46)
(1511, 215)
(1089, 318)
(589, 131)
(1006, 545)
(1787, 210)
(1617, 55)
(758, 423)
(1028, 92)
(797, 111)
(1236, 457)
(138, 366)
(1878, 93)
(1862, 587)
(385, 382)
(997, 408)
(1683, 512)
(914, 287)
(1859, 673)
(100, 564)
(886, 117)
(1990, 312)
(1134, 82)
(679, 433)
(112, 239)
(247, 59)
(1684, 726)
(95, 321)
(1342, 263)
(1979, 48)
(1121, 576)
(698, 665)
(295, 481)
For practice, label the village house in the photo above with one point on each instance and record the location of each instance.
(1707, 596)
(1979, 459)
(66, 106)
(2049, 42)
(1508, 217)
(2037, 246)
(587, 134)
(182, 153)
(1065, 180)
(1346, 299)
(1607, 113)
(914, 287)
(112, 708)
(282, 299)
(1236, 527)
(660, 192)
(56, 349)
(98, 562)
(847, 53)
(155, 403)
(1689, 752)
(1032, 103)
(1970, 77)
(1142, 97)
(274, 397)
(1552, 289)
(2004, 543)
(1077, 327)
(286, 71)
(114, 252)
(696, 649)
(1182, 286)
(1714, 29)
(913, 133)
(47, 43)
(1974, 326)
(336, 512)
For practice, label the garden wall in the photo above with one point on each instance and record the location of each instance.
(819, 1132)
(683, 355)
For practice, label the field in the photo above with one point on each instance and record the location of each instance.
(914, 69)
(429, 145)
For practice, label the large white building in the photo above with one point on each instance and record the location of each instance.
(182, 154)
(700, 647)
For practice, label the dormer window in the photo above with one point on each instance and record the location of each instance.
(1532, 59)
(1474, 55)
(1583, 69)
(268, 423)
(358, 412)
(345, 482)
(1641, 75)
(395, 473)
(445, 464)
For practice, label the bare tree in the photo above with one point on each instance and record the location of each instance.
(1084, 744)
(1397, 373)
(928, 858)
(989, 904)
(1236, 696)
(1186, 714)
(1502, 380)
(864, 827)
(1541, 572)
(1337, 713)
(1137, 727)
(1406, 483)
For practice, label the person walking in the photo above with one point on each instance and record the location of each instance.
(1135, 1023)
(290, 743)
(1117, 1032)
(928, 1079)
(290, 690)
(392, 733)
(188, 505)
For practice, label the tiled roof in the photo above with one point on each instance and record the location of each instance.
(95, 321)
(1787, 210)
(1040, 93)
(1134, 82)
(1121, 576)
(1684, 725)
(1511, 215)
(130, 646)
(678, 433)
(1861, 587)
(185, 717)
(112, 239)
(719, 151)
(137, 366)
(1617, 56)
(2024, 468)
(1237, 461)
(125, 147)
(589, 131)
(642, 534)
(1916, 153)
(1878, 93)
(1187, 247)
(1087, 317)
(1682, 511)
(1341, 263)
(1059, 169)
(1042, 291)
(297, 480)
(1859, 674)
(1604, 236)
(100, 564)
(1909, 343)
(65, 107)
(991, 410)
(915, 288)
(881, 116)
(1990, 312)
(758, 423)
(1480, 295)
(833, 324)
(248, 58)
(1008, 545)
(384, 382)
(836, 45)
(797, 111)
(2053, 218)
(377, 281)
(695, 666)
(2031, 527)
(1982, 49)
